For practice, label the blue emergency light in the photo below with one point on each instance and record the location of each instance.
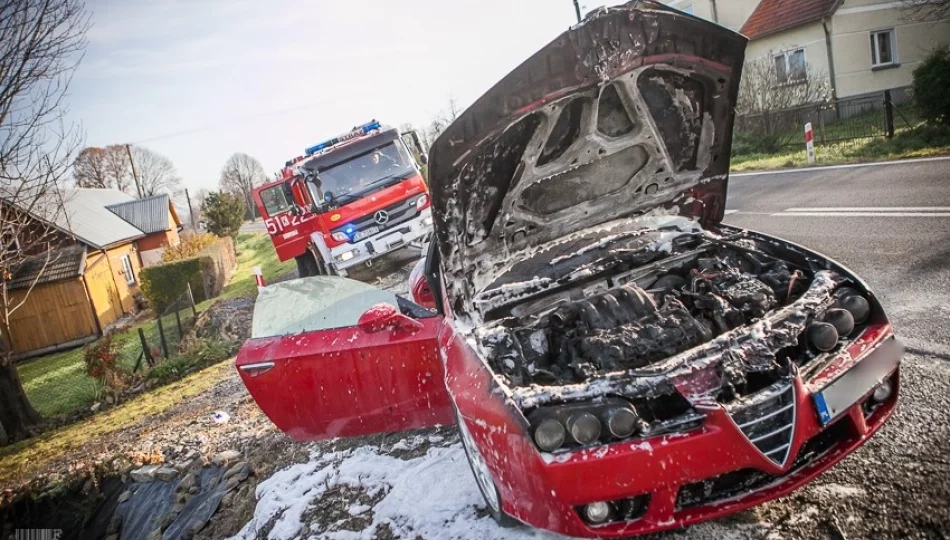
(358, 131)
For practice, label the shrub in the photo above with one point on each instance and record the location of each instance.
(190, 245)
(198, 355)
(206, 272)
(224, 213)
(102, 363)
(931, 81)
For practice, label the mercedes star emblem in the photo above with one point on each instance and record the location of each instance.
(381, 217)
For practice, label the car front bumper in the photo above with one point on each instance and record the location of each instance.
(684, 478)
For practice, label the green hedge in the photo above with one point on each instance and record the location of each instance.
(207, 273)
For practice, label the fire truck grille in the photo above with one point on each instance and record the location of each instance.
(767, 419)
(397, 213)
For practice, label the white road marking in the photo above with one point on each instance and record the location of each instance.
(870, 209)
(850, 166)
(730, 212)
(861, 214)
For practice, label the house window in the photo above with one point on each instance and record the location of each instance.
(790, 67)
(127, 270)
(883, 48)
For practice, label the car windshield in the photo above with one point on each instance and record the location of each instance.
(360, 174)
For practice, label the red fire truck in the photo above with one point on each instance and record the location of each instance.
(348, 201)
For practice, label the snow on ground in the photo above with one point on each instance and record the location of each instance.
(433, 496)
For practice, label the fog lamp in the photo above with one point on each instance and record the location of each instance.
(549, 435)
(621, 423)
(597, 512)
(584, 427)
(427, 221)
(882, 392)
(347, 255)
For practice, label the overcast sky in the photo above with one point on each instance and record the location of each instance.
(197, 80)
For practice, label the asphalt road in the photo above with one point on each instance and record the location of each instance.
(891, 225)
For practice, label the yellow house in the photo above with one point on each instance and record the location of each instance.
(76, 291)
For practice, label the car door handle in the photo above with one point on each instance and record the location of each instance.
(256, 369)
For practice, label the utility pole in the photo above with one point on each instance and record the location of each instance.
(577, 9)
(191, 211)
(138, 186)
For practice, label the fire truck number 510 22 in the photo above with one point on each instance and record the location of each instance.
(277, 224)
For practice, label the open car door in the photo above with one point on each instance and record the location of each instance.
(333, 357)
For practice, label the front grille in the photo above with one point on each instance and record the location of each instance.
(743, 481)
(397, 213)
(767, 419)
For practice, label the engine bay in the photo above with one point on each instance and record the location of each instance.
(630, 318)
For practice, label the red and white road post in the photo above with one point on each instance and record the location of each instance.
(810, 143)
(259, 277)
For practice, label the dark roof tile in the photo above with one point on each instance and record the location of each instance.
(52, 266)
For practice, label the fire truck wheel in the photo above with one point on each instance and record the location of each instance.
(307, 265)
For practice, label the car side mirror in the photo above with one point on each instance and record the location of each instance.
(384, 317)
(423, 158)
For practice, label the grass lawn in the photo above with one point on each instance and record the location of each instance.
(57, 385)
(921, 141)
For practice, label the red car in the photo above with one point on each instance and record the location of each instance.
(617, 360)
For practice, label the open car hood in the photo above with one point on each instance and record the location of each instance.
(622, 114)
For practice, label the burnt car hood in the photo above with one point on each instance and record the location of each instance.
(627, 113)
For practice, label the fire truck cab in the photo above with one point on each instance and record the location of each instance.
(348, 201)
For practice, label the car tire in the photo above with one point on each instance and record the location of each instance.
(483, 476)
(307, 265)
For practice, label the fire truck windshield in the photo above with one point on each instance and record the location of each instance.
(365, 173)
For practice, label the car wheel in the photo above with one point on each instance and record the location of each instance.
(307, 265)
(483, 476)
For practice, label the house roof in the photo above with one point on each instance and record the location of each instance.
(773, 16)
(52, 266)
(149, 215)
(82, 212)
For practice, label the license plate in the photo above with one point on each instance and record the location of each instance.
(847, 389)
(365, 233)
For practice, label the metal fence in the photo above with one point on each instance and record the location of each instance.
(163, 338)
(849, 119)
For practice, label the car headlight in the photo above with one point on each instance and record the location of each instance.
(584, 427)
(421, 202)
(851, 300)
(340, 236)
(582, 424)
(549, 435)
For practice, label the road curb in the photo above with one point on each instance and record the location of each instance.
(845, 166)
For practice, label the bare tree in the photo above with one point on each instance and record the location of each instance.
(119, 168)
(240, 174)
(41, 43)
(440, 121)
(925, 10)
(91, 169)
(156, 172)
(768, 97)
